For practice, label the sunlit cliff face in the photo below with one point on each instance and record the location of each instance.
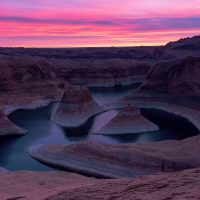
(75, 23)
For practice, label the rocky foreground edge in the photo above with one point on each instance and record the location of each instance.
(29, 185)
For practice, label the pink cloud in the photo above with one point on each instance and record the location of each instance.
(97, 23)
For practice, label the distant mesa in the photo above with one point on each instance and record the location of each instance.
(77, 105)
(128, 121)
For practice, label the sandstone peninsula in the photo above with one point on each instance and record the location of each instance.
(121, 160)
(76, 106)
(128, 121)
(8, 128)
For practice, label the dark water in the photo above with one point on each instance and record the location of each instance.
(43, 131)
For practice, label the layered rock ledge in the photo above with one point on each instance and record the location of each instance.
(77, 105)
(100, 73)
(122, 160)
(29, 185)
(172, 186)
(8, 128)
(34, 185)
(128, 121)
(172, 86)
(26, 82)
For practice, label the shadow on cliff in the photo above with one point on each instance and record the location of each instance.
(80, 131)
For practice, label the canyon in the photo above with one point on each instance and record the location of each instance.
(32, 78)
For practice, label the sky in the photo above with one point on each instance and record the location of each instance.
(87, 23)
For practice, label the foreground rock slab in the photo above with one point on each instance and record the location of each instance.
(77, 105)
(121, 160)
(172, 186)
(128, 121)
(33, 185)
(29, 185)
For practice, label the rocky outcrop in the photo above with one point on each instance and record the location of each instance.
(3, 171)
(20, 72)
(173, 186)
(35, 185)
(178, 49)
(102, 73)
(8, 128)
(31, 185)
(172, 86)
(77, 105)
(128, 121)
(121, 160)
(178, 77)
(25, 83)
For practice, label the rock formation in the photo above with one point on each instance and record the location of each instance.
(128, 160)
(178, 49)
(35, 185)
(19, 72)
(25, 83)
(31, 185)
(178, 77)
(3, 171)
(121, 160)
(8, 128)
(173, 186)
(128, 121)
(172, 86)
(102, 73)
(77, 105)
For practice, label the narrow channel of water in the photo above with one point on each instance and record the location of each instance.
(43, 131)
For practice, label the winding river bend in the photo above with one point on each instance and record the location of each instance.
(43, 131)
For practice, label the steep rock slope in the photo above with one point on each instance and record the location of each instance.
(76, 106)
(128, 121)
